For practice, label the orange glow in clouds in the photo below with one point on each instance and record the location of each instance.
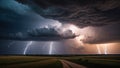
(84, 33)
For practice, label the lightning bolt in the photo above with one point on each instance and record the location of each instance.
(98, 49)
(28, 44)
(105, 48)
(51, 48)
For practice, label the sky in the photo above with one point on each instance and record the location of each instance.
(60, 27)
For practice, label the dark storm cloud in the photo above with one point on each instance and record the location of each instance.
(79, 12)
(40, 34)
(10, 14)
(14, 6)
(16, 15)
(83, 13)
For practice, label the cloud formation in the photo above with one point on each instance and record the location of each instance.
(14, 6)
(15, 15)
(106, 34)
(41, 34)
(79, 12)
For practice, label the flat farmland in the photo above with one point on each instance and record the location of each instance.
(60, 61)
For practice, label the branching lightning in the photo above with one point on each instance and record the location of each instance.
(28, 44)
(51, 48)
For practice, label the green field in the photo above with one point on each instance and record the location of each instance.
(54, 61)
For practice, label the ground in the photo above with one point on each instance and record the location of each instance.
(100, 61)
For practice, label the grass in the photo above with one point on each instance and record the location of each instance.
(53, 61)
(97, 61)
(18, 59)
(28, 61)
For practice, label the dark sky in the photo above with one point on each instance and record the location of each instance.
(58, 26)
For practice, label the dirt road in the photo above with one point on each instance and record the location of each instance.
(68, 64)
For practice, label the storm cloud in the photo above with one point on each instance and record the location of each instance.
(18, 16)
(79, 12)
(40, 34)
(36, 26)
(104, 34)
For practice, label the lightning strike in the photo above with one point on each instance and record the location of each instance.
(28, 44)
(98, 49)
(105, 49)
(51, 48)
